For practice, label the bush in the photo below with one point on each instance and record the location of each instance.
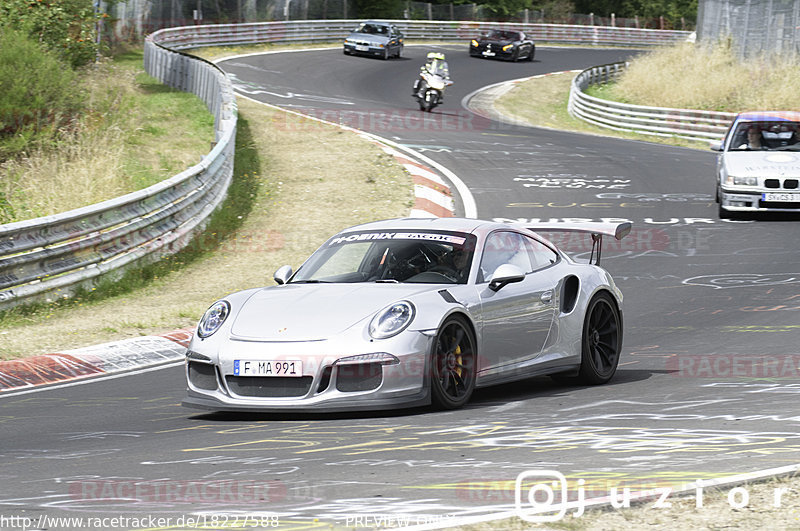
(66, 27)
(38, 95)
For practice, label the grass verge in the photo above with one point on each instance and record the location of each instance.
(543, 101)
(297, 181)
(710, 78)
(134, 133)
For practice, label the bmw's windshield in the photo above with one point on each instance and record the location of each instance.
(402, 256)
(372, 29)
(779, 135)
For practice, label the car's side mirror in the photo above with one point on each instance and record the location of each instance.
(283, 274)
(715, 146)
(505, 274)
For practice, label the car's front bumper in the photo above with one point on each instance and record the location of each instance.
(494, 53)
(325, 383)
(365, 49)
(753, 201)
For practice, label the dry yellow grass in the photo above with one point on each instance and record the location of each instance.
(689, 76)
(111, 150)
(315, 179)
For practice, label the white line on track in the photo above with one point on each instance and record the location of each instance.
(90, 379)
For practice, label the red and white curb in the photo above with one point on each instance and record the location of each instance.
(105, 359)
(433, 198)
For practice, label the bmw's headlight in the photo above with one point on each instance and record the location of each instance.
(213, 318)
(507, 47)
(745, 181)
(474, 42)
(392, 320)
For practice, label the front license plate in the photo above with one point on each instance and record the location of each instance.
(362, 48)
(267, 368)
(489, 54)
(785, 198)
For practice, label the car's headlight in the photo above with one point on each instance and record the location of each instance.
(474, 42)
(213, 318)
(507, 47)
(745, 181)
(392, 320)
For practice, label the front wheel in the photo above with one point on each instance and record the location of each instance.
(453, 364)
(428, 101)
(602, 340)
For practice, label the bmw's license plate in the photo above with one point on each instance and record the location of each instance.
(362, 48)
(267, 368)
(781, 198)
(489, 53)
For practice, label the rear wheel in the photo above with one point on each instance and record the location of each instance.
(453, 364)
(602, 340)
(531, 53)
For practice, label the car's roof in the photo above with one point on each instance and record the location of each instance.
(436, 224)
(378, 23)
(766, 116)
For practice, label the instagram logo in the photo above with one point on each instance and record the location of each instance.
(540, 496)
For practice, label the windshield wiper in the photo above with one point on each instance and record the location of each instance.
(309, 281)
(387, 281)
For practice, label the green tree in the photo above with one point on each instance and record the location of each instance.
(37, 93)
(65, 26)
(380, 8)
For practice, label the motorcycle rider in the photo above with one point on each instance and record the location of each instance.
(436, 65)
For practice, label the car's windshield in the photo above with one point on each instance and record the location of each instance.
(503, 35)
(400, 256)
(776, 135)
(372, 29)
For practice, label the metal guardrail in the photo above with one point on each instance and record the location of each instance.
(52, 256)
(689, 124)
(328, 30)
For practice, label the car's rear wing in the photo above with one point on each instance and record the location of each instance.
(596, 229)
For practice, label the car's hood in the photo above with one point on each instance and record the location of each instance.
(309, 312)
(762, 164)
(369, 37)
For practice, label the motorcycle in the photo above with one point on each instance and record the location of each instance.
(429, 90)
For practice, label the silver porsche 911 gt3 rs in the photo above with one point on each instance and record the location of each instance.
(410, 312)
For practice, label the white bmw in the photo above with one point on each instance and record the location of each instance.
(758, 166)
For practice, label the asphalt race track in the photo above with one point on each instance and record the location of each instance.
(707, 385)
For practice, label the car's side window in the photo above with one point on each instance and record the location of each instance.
(540, 254)
(503, 247)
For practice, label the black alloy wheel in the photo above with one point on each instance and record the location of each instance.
(602, 340)
(453, 364)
